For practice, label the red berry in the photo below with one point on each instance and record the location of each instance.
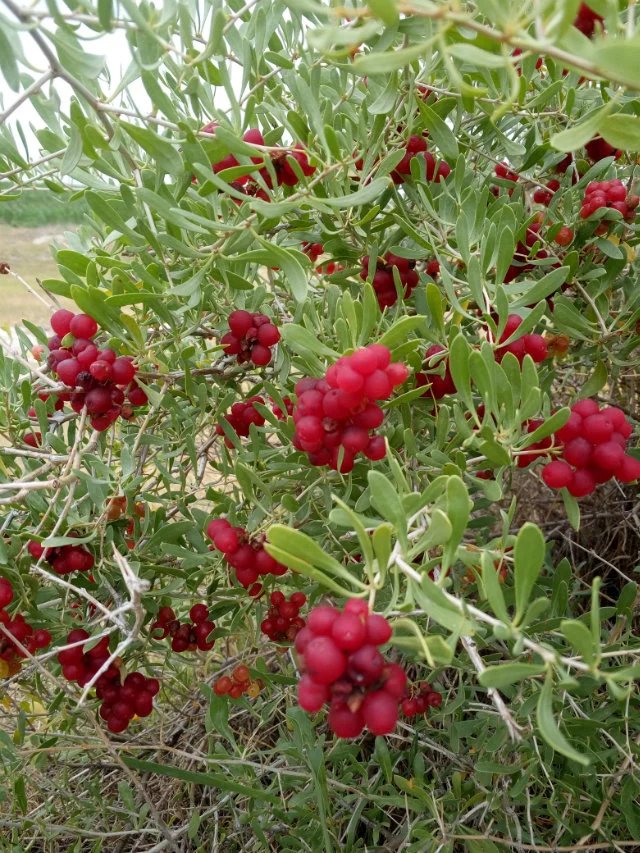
(222, 686)
(83, 326)
(348, 631)
(260, 355)
(240, 322)
(122, 370)
(312, 695)
(344, 722)
(268, 335)
(299, 599)
(557, 474)
(584, 408)
(380, 712)
(376, 449)
(365, 665)
(572, 428)
(395, 680)
(629, 470)
(61, 321)
(100, 370)
(68, 371)
(6, 593)
(564, 236)
(199, 613)
(609, 456)
(578, 452)
(583, 483)
(378, 630)
(324, 660)
(597, 428)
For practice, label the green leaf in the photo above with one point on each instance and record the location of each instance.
(580, 637)
(596, 381)
(579, 134)
(504, 674)
(549, 728)
(619, 58)
(439, 131)
(303, 341)
(300, 545)
(622, 131)
(436, 605)
(365, 195)
(386, 10)
(529, 553)
(160, 149)
(476, 56)
(386, 501)
(211, 780)
(8, 63)
(492, 588)
(295, 277)
(378, 62)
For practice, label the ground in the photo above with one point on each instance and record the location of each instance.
(28, 253)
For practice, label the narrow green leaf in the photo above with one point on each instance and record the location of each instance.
(504, 674)
(529, 553)
(580, 638)
(548, 726)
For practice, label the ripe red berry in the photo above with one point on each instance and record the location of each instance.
(268, 335)
(583, 483)
(6, 593)
(83, 326)
(629, 470)
(100, 370)
(312, 695)
(380, 712)
(240, 322)
(564, 236)
(345, 723)
(61, 321)
(123, 370)
(348, 631)
(609, 456)
(378, 630)
(578, 452)
(199, 613)
(68, 371)
(324, 660)
(260, 355)
(597, 428)
(557, 474)
(223, 685)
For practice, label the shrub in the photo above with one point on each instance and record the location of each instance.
(352, 360)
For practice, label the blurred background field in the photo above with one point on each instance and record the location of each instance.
(29, 224)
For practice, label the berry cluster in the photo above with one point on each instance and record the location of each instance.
(250, 338)
(435, 171)
(241, 416)
(544, 195)
(344, 668)
(249, 559)
(382, 281)
(185, 637)
(104, 379)
(313, 251)
(239, 683)
(120, 702)
(286, 174)
(334, 416)
(533, 344)
(16, 630)
(283, 620)
(592, 449)
(611, 194)
(65, 559)
(423, 698)
(438, 385)
(586, 20)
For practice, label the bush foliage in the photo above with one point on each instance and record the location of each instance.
(408, 174)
